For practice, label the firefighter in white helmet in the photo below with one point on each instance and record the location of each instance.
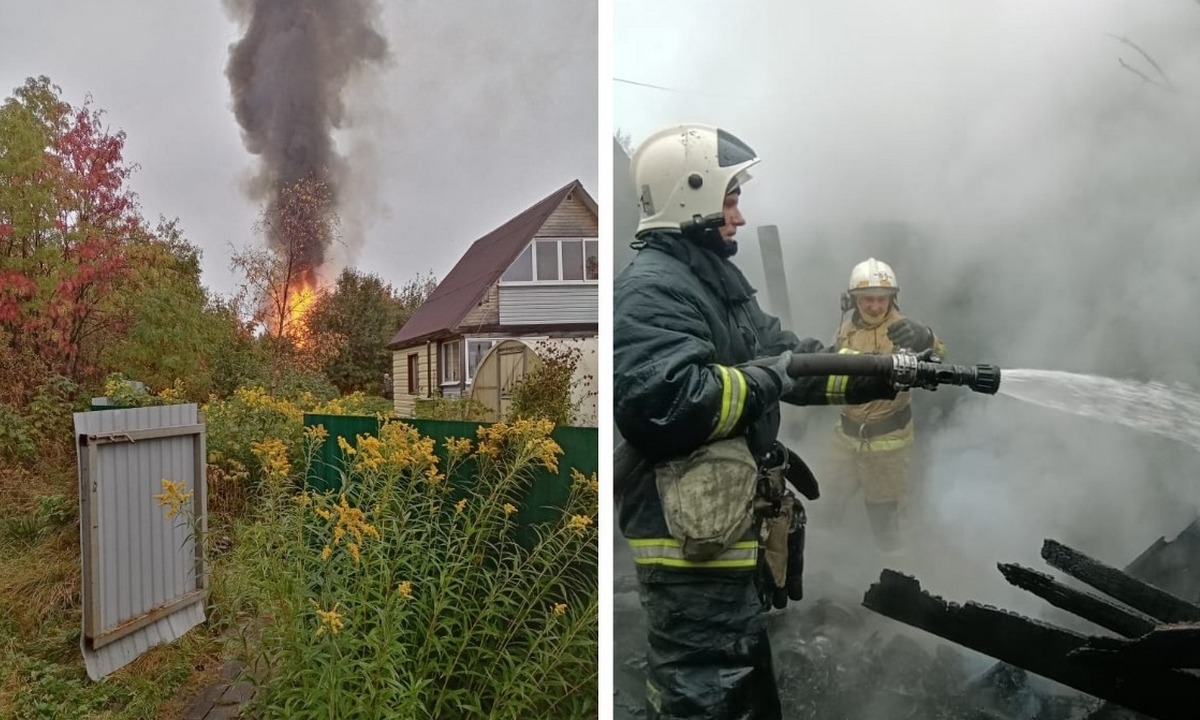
(699, 371)
(874, 440)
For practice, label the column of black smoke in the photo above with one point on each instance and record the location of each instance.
(287, 75)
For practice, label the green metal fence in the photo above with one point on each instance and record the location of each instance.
(547, 494)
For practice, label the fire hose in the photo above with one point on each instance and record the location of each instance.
(905, 369)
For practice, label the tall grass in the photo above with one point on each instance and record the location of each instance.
(410, 592)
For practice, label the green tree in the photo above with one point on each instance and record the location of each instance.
(180, 336)
(360, 315)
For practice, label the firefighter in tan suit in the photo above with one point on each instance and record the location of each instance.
(874, 440)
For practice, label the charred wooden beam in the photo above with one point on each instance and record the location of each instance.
(1035, 646)
(1168, 646)
(1112, 582)
(1100, 611)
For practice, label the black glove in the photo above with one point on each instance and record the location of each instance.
(772, 369)
(801, 476)
(910, 335)
(865, 388)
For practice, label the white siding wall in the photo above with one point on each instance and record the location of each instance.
(549, 304)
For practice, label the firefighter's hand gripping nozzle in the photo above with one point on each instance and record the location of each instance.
(905, 370)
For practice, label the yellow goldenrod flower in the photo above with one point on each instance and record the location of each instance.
(559, 609)
(509, 509)
(458, 447)
(173, 497)
(458, 506)
(404, 590)
(316, 434)
(349, 523)
(579, 523)
(346, 448)
(584, 483)
(331, 619)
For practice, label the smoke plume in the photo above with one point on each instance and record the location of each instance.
(289, 75)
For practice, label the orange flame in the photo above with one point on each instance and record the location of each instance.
(301, 298)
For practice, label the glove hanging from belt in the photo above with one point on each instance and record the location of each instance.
(780, 575)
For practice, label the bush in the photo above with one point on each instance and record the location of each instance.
(16, 437)
(356, 403)
(545, 390)
(463, 407)
(251, 415)
(253, 418)
(407, 595)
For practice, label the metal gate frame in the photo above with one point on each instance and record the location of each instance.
(97, 641)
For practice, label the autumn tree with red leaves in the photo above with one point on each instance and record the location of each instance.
(67, 222)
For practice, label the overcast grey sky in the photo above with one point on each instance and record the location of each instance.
(1039, 203)
(482, 109)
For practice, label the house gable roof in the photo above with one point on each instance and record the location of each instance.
(479, 268)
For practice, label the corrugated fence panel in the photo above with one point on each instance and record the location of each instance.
(548, 493)
(143, 580)
(548, 304)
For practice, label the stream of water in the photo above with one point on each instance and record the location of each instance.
(1169, 410)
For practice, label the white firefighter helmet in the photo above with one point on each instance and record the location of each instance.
(682, 174)
(872, 274)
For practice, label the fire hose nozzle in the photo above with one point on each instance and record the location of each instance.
(910, 372)
(905, 370)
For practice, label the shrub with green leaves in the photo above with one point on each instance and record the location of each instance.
(462, 407)
(251, 415)
(545, 390)
(409, 594)
(16, 437)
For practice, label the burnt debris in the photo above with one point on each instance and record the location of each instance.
(1148, 665)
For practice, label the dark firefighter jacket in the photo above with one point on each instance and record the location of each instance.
(684, 320)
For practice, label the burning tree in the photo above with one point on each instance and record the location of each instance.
(282, 285)
(281, 278)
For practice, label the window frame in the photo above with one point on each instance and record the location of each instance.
(414, 372)
(443, 353)
(470, 371)
(531, 247)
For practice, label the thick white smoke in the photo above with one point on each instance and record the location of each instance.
(1039, 202)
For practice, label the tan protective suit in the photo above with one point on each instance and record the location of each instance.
(864, 459)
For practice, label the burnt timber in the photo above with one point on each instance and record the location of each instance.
(1148, 667)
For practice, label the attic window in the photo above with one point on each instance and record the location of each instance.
(522, 268)
(557, 260)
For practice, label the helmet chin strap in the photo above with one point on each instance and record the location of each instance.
(705, 232)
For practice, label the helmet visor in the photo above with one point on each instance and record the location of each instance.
(731, 150)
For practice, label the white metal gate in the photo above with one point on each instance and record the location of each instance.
(144, 579)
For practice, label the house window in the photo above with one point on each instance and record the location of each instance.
(476, 349)
(546, 254)
(522, 268)
(563, 260)
(451, 362)
(414, 374)
(591, 259)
